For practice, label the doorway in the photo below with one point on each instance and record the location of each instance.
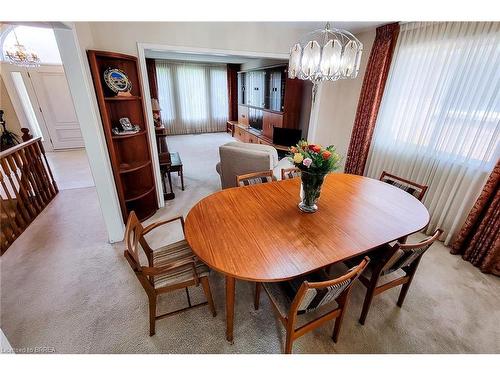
(43, 104)
(190, 85)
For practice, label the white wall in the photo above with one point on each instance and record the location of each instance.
(271, 37)
(338, 102)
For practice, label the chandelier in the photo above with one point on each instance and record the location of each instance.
(327, 54)
(19, 55)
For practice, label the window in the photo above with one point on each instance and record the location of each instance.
(193, 97)
(218, 93)
(439, 120)
(441, 97)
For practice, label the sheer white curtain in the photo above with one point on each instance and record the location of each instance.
(439, 118)
(193, 97)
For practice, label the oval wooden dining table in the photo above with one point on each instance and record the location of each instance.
(258, 233)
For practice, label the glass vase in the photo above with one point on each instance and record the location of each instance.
(310, 190)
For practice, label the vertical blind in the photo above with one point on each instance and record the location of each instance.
(439, 119)
(193, 97)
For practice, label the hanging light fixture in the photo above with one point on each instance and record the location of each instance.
(327, 54)
(19, 55)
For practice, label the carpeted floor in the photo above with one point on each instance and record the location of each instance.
(63, 286)
(71, 169)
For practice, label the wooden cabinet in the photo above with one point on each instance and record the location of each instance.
(130, 154)
(241, 134)
(249, 135)
(263, 87)
(270, 121)
(255, 117)
(268, 99)
(252, 138)
(264, 142)
(243, 114)
(275, 89)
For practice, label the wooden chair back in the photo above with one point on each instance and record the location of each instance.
(417, 190)
(334, 289)
(401, 256)
(287, 173)
(405, 255)
(133, 235)
(134, 239)
(254, 178)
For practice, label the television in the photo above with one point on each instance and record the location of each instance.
(286, 137)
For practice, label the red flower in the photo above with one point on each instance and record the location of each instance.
(326, 155)
(315, 148)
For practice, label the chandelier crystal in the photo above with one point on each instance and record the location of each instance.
(19, 55)
(325, 54)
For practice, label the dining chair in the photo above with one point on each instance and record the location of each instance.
(310, 295)
(417, 190)
(170, 267)
(392, 266)
(287, 173)
(254, 178)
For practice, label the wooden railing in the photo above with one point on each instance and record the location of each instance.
(26, 188)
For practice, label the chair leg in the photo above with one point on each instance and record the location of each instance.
(338, 325)
(181, 173)
(402, 294)
(208, 294)
(257, 296)
(152, 315)
(404, 290)
(289, 341)
(370, 291)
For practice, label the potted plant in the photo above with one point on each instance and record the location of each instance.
(314, 162)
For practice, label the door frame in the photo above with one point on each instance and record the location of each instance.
(7, 70)
(81, 87)
(143, 76)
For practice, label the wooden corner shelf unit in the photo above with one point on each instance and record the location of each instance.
(129, 154)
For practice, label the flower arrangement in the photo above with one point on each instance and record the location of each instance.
(314, 158)
(314, 162)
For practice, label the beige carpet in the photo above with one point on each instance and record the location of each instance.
(70, 168)
(64, 286)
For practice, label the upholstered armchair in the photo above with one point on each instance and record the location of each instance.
(237, 158)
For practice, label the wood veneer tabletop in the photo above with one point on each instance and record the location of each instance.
(258, 233)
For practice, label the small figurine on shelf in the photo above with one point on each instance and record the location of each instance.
(7, 139)
(126, 127)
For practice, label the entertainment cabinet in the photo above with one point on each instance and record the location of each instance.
(267, 98)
